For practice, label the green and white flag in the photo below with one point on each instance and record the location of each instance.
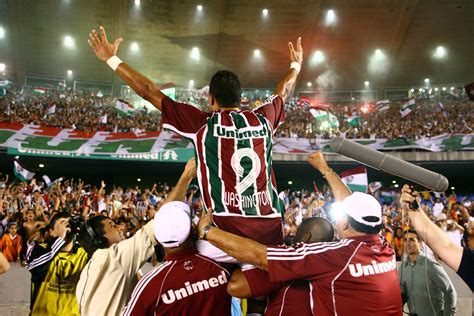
(407, 107)
(39, 91)
(21, 173)
(387, 196)
(124, 108)
(3, 92)
(324, 119)
(356, 179)
(383, 105)
(354, 120)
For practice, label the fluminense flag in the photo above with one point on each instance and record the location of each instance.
(324, 119)
(51, 109)
(354, 120)
(103, 119)
(383, 105)
(407, 107)
(39, 90)
(374, 186)
(387, 196)
(356, 179)
(124, 108)
(21, 173)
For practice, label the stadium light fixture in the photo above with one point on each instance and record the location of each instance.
(331, 18)
(257, 53)
(427, 80)
(69, 73)
(199, 7)
(137, 2)
(436, 89)
(353, 98)
(444, 88)
(69, 42)
(452, 88)
(134, 47)
(412, 90)
(41, 165)
(290, 182)
(191, 83)
(2, 32)
(396, 186)
(440, 52)
(366, 83)
(2, 67)
(317, 58)
(420, 90)
(309, 83)
(265, 12)
(394, 181)
(452, 188)
(195, 54)
(139, 180)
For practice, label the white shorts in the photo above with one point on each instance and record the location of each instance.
(206, 249)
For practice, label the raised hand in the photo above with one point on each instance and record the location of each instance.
(296, 54)
(101, 46)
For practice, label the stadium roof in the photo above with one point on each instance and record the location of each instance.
(226, 34)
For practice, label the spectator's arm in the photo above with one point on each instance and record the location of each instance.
(339, 189)
(100, 194)
(179, 191)
(431, 234)
(4, 264)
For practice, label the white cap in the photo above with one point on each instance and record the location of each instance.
(172, 224)
(359, 205)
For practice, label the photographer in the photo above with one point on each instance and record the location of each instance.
(107, 281)
(55, 267)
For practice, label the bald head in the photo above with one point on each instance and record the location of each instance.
(314, 229)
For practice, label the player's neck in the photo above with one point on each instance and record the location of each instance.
(412, 257)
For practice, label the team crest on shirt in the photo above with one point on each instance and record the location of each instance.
(375, 248)
(188, 265)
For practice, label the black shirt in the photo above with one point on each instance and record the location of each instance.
(466, 268)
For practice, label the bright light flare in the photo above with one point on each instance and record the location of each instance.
(134, 47)
(440, 52)
(69, 72)
(199, 7)
(69, 42)
(317, 58)
(191, 83)
(2, 67)
(331, 18)
(366, 83)
(337, 211)
(195, 54)
(2, 32)
(265, 12)
(257, 53)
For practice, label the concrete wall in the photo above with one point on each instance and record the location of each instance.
(15, 292)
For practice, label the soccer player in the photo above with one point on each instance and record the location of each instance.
(233, 147)
(354, 276)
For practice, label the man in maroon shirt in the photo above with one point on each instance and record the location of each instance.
(354, 276)
(186, 283)
(284, 298)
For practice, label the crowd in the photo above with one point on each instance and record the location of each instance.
(89, 112)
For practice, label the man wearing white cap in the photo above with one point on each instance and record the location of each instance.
(186, 283)
(354, 276)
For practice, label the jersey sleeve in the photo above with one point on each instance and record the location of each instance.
(308, 261)
(259, 282)
(273, 110)
(182, 118)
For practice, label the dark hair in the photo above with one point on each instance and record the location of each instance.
(320, 229)
(57, 217)
(225, 88)
(411, 231)
(366, 229)
(92, 243)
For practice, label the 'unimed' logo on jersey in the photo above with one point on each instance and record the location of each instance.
(189, 289)
(242, 133)
(357, 270)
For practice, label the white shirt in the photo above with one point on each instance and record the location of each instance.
(437, 209)
(455, 236)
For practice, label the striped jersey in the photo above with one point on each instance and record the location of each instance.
(354, 276)
(185, 284)
(234, 158)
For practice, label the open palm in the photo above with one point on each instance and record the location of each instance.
(101, 46)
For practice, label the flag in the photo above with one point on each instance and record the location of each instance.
(21, 173)
(354, 120)
(7, 84)
(356, 179)
(51, 109)
(3, 92)
(407, 107)
(49, 183)
(387, 196)
(305, 103)
(374, 186)
(103, 119)
(324, 119)
(39, 91)
(124, 108)
(383, 105)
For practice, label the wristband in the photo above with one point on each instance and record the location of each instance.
(203, 235)
(296, 66)
(114, 62)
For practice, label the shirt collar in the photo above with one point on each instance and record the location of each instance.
(181, 255)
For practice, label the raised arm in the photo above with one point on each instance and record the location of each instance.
(179, 191)
(287, 84)
(107, 53)
(339, 189)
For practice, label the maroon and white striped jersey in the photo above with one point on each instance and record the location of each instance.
(185, 284)
(284, 298)
(234, 161)
(354, 276)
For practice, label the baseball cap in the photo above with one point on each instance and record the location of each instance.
(359, 205)
(172, 224)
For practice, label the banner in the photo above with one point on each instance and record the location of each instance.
(26, 139)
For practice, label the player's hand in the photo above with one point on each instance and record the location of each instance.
(101, 46)
(296, 54)
(318, 162)
(204, 220)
